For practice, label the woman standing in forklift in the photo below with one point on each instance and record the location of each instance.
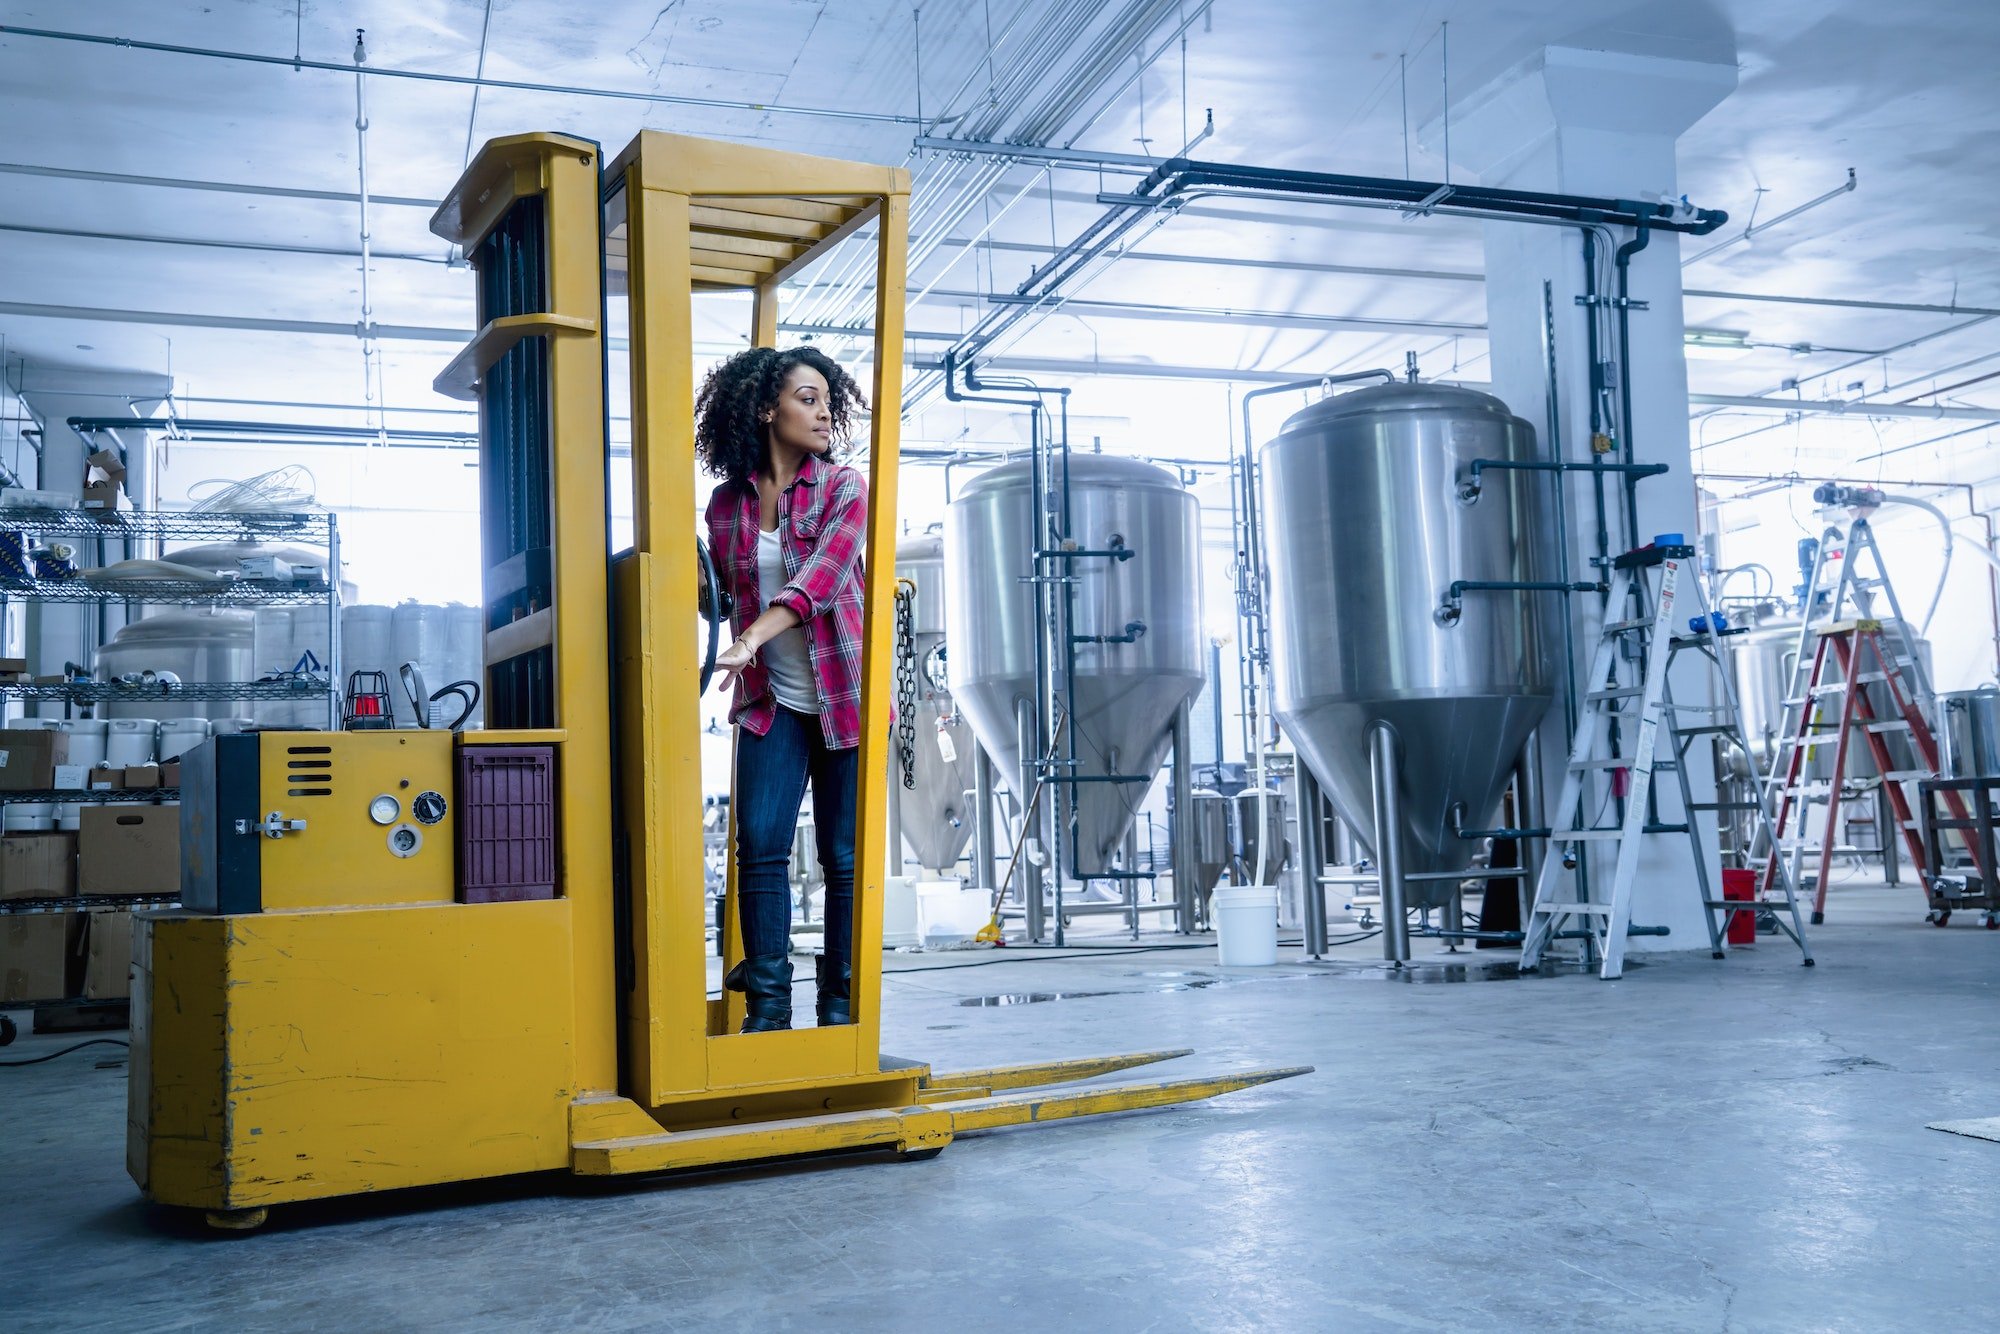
(787, 526)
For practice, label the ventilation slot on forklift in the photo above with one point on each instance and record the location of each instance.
(309, 777)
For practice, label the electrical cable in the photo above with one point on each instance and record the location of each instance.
(88, 1042)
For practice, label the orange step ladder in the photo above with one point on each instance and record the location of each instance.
(1856, 646)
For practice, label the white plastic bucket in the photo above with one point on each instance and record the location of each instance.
(1246, 925)
(129, 741)
(948, 913)
(86, 747)
(180, 735)
(86, 740)
(899, 912)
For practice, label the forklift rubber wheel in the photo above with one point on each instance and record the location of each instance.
(237, 1220)
(8, 1030)
(920, 1155)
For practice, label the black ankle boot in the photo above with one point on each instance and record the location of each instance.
(833, 980)
(767, 982)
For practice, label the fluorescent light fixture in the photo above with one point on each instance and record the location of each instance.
(1716, 342)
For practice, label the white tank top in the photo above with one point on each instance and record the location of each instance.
(786, 657)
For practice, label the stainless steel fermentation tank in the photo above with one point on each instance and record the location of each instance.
(1365, 532)
(936, 815)
(1137, 632)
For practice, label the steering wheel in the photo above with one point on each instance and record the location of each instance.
(714, 604)
(421, 697)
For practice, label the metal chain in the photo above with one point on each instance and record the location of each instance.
(906, 681)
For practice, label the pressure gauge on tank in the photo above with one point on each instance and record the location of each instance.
(384, 809)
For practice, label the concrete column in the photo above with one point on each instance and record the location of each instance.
(1583, 119)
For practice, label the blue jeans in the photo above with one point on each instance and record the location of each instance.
(771, 775)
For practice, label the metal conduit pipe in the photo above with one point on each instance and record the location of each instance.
(185, 426)
(1859, 408)
(1047, 118)
(1872, 355)
(1756, 227)
(464, 80)
(952, 196)
(260, 247)
(1623, 264)
(222, 187)
(1176, 182)
(1140, 67)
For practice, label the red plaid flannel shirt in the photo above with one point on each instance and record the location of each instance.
(822, 531)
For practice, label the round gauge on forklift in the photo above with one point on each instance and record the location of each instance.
(384, 809)
(429, 807)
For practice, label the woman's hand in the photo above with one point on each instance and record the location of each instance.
(729, 663)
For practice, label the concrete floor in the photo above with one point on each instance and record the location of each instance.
(1701, 1146)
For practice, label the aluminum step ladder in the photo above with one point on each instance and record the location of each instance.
(1869, 650)
(1628, 683)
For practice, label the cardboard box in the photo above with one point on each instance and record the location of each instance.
(13, 666)
(38, 865)
(140, 775)
(103, 480)
(28, 760)
(129, 849)
(38, 954)
(107, 960)
(170, 774)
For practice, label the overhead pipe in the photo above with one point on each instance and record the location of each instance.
(1622, 264)
(1756, 227)
(1002, 112)
(221, 187)
(1858, 408)
(259, 247)
(1178, 181)
(194, 426)
(296, 62)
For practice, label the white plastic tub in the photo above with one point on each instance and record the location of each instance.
(948, 913)
(1246, 925)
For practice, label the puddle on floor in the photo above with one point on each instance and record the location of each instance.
(1424, 972)
(1428, 972)
(1029, 998)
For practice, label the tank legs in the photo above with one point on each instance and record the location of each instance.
(1385, 765)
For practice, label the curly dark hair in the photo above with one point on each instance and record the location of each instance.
(728, 438)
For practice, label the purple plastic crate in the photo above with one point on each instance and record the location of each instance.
(506, 823)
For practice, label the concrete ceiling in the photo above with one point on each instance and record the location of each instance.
(1903, 97)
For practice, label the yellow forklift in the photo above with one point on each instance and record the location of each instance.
(415, 956)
